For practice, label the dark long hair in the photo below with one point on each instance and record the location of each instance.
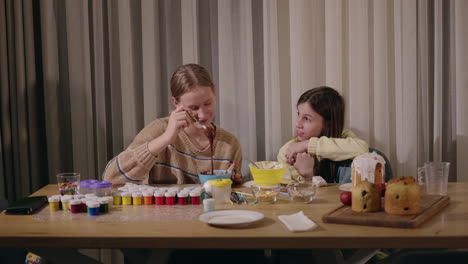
(330, 105)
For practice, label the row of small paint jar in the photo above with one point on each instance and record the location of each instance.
(131, 187)
(89, 203)
(159, 197)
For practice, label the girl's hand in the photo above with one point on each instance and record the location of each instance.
(232, 167)
(294, 149)
(177, 121)
(305, 164)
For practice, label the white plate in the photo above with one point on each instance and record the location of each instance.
(231, 218)
(346, 187)
(248, 184)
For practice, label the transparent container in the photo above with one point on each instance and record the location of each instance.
(85, 186)
(221, 190)
(68, 183)
(266, 194)
(302, 192)
(103, 188)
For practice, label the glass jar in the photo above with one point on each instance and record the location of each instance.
(266, 194)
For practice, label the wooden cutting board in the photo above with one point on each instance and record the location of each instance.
(430, 206)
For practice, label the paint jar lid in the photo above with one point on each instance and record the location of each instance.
(122, 189)
(65, 199)
(158, 194)
(126, 194)
(182, 194)
(137, 194)
(117, 194)
(194, 193)
(54, 199)
(93, 204)
(170, 194)
(75, 202)
(148, 193)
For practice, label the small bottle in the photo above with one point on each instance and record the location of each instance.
(117, 198)
(170, 198)
(126, 198)
(148, 197)
(65, 202)
(159, 198)
(75, 206)
(103, 205)
(209, 204)
(54, 203)
(93, 207)
(182, 198)
(137, 198)
(195, 197)
(84, 207)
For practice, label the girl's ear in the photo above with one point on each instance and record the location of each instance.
(174, 102)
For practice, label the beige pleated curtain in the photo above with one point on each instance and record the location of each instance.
(79, 79)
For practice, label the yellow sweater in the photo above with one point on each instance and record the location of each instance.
(336, 149)
(179, 163)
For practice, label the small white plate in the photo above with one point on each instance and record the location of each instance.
(231, 218)
(346, 187)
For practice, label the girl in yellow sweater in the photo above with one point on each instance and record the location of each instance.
(321, 145)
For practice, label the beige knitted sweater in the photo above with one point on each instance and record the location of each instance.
(179, 163)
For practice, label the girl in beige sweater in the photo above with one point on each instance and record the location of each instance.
(175, 149)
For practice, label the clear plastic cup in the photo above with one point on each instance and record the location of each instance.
(68, 183)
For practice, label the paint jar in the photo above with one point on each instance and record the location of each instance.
(148, 197)
(126, 198)
(195, 197)
(84, 207)
(159, 198)
(103, 205)
(182, 198)
(137, 198)
(170, 198)
(54, 203)
(93, 208)
(221, 190)
(117, 198)
(65, 202)
(75, 206)
(209, 204)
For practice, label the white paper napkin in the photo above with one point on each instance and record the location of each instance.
(318, 181)
(297, 222)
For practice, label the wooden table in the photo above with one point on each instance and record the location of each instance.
(446, 230)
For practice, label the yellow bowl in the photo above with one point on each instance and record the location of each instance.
(267, 173)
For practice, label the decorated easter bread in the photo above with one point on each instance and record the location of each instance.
(365, 197)
(368, 166)
(402, 196)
